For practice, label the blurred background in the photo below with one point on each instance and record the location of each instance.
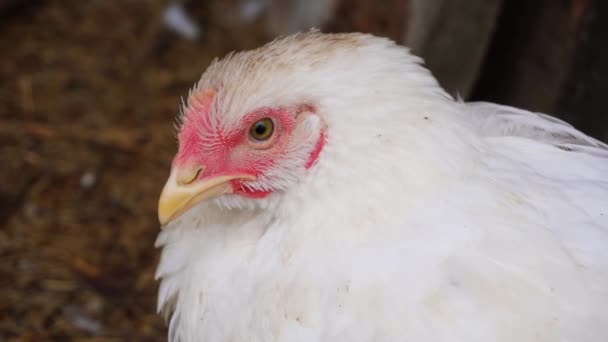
(89, 91)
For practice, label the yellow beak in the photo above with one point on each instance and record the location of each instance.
(179, 196)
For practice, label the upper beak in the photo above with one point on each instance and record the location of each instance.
(181, 194)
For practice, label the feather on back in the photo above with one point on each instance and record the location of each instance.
(500, 120)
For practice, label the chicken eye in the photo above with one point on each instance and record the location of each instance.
(261, 130)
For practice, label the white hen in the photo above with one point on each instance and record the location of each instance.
(327, 189)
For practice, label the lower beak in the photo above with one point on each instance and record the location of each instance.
(176, 198)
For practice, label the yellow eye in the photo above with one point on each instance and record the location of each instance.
(261, 130)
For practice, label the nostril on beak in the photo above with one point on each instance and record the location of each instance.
(188, 175)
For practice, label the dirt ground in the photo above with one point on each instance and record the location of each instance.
(89, 92)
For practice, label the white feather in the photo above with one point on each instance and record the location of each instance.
(425, 219)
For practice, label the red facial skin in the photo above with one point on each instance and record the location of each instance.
(235, 152)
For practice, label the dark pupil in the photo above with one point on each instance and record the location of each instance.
(260, 128)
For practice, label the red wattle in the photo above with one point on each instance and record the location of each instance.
(239, 189)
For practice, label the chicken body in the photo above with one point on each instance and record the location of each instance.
(420, 218)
